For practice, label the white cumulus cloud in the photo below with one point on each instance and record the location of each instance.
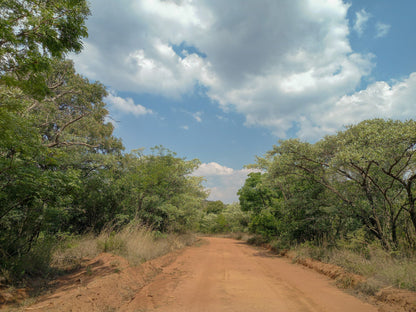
(379, 100)
(213, 169)
(126, 105)
(281, 64)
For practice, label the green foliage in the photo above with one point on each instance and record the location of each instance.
(256, 195)
(35, 262)
(230, 219)
(360, 178)
(215, 207)
(159, 190)
(31, 33)
(46, 147)
(264, 224)
(61, 168)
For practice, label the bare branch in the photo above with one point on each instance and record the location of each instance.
(57, 144)
(68, 124)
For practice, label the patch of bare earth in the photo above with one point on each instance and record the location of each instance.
(104, 283)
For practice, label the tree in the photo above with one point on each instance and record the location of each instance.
(379, 155)
(369, 168)
(158, 189)
(47, 146)
(215, 207)
(73, 113)
(33, 32)
(255, 195)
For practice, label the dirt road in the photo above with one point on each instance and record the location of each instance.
(219, 275)
(228, 275)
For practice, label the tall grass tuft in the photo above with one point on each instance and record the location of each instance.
(134, 242)
(72, 250)
(381, 268)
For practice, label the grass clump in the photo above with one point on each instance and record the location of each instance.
(134, 242)
(139, 244)
(379, 267)
(73, 250)
(370, 287)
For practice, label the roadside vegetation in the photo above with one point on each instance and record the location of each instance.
(65, 180)
(133, 242)
(380, 268)
(348, 199)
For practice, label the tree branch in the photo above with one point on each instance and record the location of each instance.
(57, 144)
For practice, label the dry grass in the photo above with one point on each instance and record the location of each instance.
(71, 252)
(379, 267)
(134, 242)
(138, 244)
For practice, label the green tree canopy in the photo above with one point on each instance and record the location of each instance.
(363, 174)
(33, 32)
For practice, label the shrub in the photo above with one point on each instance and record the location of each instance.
(264, 224)
(33, 264)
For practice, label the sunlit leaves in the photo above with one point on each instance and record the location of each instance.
(31, 32)
(367, 171)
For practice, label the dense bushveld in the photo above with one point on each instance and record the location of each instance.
(62, 172)
(351, 193)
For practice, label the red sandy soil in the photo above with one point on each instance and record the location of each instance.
(217, 275)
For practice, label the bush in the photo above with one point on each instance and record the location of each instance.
(257, 240)
(33, 264)
(279, 246)
(138, 244)
(264, 224)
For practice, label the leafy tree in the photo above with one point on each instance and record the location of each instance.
(364, 174)
(47, 145)
(380, 156)
(215, 207)
(237, 219)
(158, 188)
(34, 190)
(31, 32)
(264, 224)
(73, 113)
(255, 195)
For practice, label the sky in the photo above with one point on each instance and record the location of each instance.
(223, 81)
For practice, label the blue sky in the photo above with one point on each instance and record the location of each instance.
(222, 81)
